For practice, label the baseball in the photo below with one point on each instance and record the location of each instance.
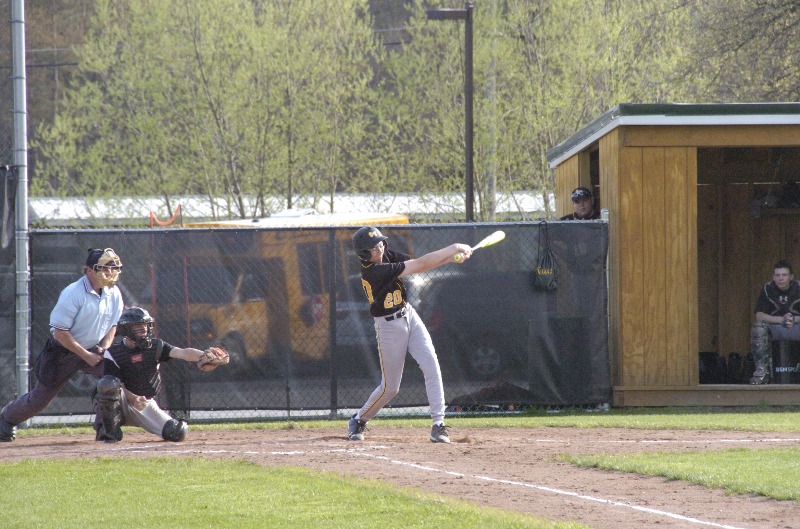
(458, 257)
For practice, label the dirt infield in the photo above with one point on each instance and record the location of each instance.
(510, 468)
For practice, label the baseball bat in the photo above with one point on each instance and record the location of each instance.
(494, 238)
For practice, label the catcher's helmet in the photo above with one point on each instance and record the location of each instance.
(366, 238)
(131, 316)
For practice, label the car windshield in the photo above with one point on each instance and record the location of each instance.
(202, 284)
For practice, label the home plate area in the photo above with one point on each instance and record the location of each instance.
(509, 468)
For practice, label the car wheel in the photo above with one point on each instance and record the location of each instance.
(483, 359)
(239, 361)
(83, 383)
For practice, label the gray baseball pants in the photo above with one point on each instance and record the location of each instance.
(395, 338)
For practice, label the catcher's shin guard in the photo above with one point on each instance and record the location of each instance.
(109, 409)
(175, 431)
(761, 349)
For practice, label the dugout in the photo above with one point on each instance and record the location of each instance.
(702, 200)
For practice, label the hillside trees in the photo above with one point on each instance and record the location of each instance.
(543, 69)
(743, 51)
(241, 100)
(268, 104)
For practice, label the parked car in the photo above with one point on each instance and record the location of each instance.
(479, 322)
(356, 343)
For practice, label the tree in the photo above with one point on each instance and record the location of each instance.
(233, 101)
(262, 105)
(743, 51)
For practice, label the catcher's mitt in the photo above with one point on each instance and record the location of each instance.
(212, 358)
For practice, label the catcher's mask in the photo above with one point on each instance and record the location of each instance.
(366, 238)
(105, 264)
(132, 316)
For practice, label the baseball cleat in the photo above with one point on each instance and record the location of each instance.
(439, 434)
(8, 432)
(355, 429)
(760, 375)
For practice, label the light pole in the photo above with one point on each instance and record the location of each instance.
(465, 15)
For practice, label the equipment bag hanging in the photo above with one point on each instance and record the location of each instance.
(545, 276)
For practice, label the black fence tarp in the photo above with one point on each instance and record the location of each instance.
(288, 305)
(8, 191)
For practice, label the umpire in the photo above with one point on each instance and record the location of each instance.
(83, 324)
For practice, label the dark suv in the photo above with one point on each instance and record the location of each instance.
(479, 322)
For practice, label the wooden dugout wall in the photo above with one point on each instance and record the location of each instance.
(687, 253)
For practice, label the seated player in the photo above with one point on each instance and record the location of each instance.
(126, 393)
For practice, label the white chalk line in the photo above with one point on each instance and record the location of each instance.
(160, 448)
(551, 490)
(362, 452)
(703, 442)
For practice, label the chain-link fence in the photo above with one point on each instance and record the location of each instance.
(6, 87)
(289, 307)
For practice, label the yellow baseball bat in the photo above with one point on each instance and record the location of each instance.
(494, 238)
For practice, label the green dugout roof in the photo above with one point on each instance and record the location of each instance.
(667, 114)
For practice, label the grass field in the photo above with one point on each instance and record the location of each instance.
(196, 492)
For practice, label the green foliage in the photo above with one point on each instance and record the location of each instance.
(257, 103)
(198, 493)
(229, 99)
(743, 51)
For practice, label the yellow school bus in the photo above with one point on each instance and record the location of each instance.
(306, 218)
(262, 287)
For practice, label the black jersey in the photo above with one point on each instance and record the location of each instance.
(593, 216)
(777, 302)
(384, 288)
(137, 368)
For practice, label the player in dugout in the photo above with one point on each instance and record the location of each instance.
(583, 202)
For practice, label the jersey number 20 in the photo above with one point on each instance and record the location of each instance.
(391, 299)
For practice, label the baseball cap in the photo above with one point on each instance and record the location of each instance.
(581, 192)
(103, 257)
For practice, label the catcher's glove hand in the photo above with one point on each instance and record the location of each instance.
(212, 358)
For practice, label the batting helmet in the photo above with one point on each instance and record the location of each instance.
(366, 238)
(134, 315)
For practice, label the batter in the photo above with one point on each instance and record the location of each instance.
(398, 327)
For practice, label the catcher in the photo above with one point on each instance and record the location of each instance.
(125, 394)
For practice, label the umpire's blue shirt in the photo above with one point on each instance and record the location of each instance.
(86, 315)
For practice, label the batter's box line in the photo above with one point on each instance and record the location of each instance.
(159, 449)
(676, 441)
(552, 490)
